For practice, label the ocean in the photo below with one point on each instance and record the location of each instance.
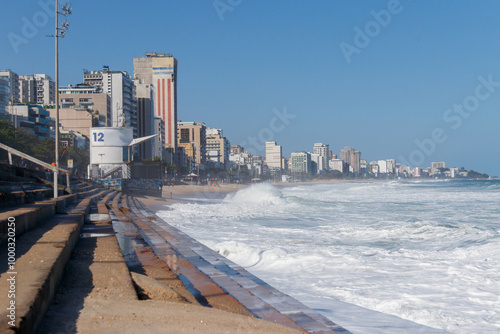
(374, 257)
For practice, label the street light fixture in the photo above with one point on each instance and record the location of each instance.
(59, 32)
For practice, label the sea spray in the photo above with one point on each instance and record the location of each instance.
(259, 194)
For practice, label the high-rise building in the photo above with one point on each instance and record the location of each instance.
(436, 165)
(145, 119)
(218, 147)
(382, 167)
(336, 165)
(351, 158)
(160, 71)
(45, 90)
(27, 89)
(391, 166)
(4, 95)
(300, 162)
(273, 154)
(345, 154)
(83, 107)
(193, 137)
(38, 89)
(322, 150)
(13, 83)
(356, 161)
(159, 141)
(121, 89)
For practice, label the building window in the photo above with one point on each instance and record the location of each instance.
(185, 136)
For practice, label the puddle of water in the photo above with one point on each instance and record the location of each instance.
(95, 235)
(94, 217)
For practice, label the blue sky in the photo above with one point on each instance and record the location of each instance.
(266, 57)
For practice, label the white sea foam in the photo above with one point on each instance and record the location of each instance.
(421, 251)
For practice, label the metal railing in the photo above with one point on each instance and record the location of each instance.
(55, 169)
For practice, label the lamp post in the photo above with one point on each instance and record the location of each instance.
(59, 32)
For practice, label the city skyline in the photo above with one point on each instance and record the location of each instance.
(350, 74)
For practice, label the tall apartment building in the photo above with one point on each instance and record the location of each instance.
(193, 137)
(39, 89)
(336, 164)
(436, 165)
(300, 162)
(159, 141)
(4, 95)
(382, 167)
(32, 118)
(13, 83)
(356, 161)
(145, 119)
(45, 89)
(352, 158)
(218, 147)
(323, 150)
(345, 154)
(160, 71)
(121, 89)
(391, 166)
(27, 89)
(273, 154)
(320, 163)
(83, 107)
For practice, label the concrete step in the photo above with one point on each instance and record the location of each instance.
(95, 272)
(40, 258)
(83, 206)
(27, 217)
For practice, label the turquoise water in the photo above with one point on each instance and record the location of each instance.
(423, 251)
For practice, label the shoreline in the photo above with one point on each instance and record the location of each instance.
(191, 192)
(179, 193)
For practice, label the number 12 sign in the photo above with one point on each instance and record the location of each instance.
(98, 136)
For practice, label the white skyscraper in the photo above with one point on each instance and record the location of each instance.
(39, 89)
(121, 89)
(322, 150)
(273, 154)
